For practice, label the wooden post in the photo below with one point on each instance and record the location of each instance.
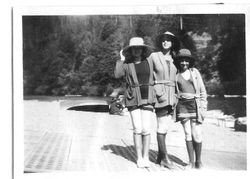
(181, 22)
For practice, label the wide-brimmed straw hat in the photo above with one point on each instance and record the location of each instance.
(136, 42)
(185, 53)
(174, 39)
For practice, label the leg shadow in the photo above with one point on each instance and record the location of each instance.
(153, 157)
(127, 152)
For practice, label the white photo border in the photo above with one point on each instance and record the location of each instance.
(18, 108)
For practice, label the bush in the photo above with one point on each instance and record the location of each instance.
(236, 87)
(214, 88)
(89, 90)
(41, 90)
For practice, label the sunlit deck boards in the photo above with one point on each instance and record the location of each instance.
(56, 139)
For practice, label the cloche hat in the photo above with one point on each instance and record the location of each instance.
(185, 53)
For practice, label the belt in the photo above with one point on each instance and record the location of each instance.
(139, 85)
(165, 82)
(187, 96)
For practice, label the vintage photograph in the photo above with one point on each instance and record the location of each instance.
(117, 92)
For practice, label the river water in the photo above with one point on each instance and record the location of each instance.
(229, 106)
(235, 106)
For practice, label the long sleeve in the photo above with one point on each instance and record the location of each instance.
(119, 69)
(203, 93)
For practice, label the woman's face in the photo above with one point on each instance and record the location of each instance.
(136, 51)
(184, 64)
(166, 43)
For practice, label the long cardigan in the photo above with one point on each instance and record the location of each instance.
(164, 77)
(200, 95)
(132, 93)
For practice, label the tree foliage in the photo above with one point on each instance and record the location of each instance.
(77, 54)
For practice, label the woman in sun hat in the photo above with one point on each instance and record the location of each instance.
(191, 106)
(164, 77)
(139, 95)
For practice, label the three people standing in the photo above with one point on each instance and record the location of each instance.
(152, 82)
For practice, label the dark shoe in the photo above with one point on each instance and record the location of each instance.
(198, 165)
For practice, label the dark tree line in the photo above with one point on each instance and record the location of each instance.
(76, 54)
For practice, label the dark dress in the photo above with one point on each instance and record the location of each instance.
(142, 72)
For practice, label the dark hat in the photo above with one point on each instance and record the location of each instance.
(173, 38)
(136, 42)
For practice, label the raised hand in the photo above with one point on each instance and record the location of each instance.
(122, 56)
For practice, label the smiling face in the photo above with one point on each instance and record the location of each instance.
(184, 64)
(166, 43)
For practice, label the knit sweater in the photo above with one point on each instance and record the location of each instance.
(164, 77)
(200, 95)
(133, 94)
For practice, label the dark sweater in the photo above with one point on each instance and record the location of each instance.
(142, 72)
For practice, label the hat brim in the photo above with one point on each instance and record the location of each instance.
(178, 57)
(126, 49)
